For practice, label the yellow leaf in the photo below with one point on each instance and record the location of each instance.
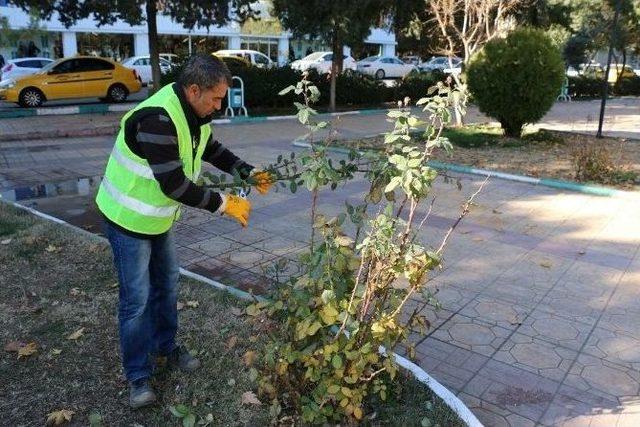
(56, 351)
(344, 402)
(52, 248)
(193, 304)
(546, 264)
(59, 417)
(329, 314)
(249, 357)
(77, 334)
(357, 412)
(27, 350)
(253, 310)
(249, 398)
(333, 389)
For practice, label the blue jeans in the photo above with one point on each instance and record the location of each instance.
(148, 272)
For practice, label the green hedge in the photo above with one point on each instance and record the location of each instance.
(591, 87)
(352, 89)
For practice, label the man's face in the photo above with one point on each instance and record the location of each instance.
(205, 101)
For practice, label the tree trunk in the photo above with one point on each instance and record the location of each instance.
(152, 26)
(336, 67)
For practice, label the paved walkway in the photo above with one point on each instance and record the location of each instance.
(540, 291)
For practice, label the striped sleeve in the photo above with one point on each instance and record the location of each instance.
(222, 158)
(158, 142)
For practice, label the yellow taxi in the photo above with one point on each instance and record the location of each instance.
(75, 77)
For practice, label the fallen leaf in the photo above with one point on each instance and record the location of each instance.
(59, 417)
(236, 311)
(77, 334)
(180, 306)
(253, 338)
(546, 264)
(581, 252)
(231, 342)
(27, 350)
(465, 231)
(52, 248)
(114, 285)
(249, 357)
(478, 239)
(13, 346)
(6, 241)
(193, 304)
(56, 351)
(249, 398)
(497, 212)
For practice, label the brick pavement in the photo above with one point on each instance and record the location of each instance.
(540, 291)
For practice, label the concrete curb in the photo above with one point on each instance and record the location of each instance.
(547, 182)
(420, 374)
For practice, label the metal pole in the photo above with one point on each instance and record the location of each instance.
(605, 83)
(189, 44)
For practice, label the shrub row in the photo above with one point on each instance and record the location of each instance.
(590, 87)
(352, 89)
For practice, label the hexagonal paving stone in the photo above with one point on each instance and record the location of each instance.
(495, 312)
(540, 357)
(614, 346)
(472, 334)
(555, 329)
(599, 377)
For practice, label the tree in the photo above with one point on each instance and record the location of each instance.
(135, 12)
(337, 22)
(464, 26)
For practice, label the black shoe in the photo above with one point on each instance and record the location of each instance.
(181, 359)
(141, 394)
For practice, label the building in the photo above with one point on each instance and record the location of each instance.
(52, 40)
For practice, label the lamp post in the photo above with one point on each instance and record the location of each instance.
(605, 83)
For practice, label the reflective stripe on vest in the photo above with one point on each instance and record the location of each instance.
(135, 204)
(131, 165)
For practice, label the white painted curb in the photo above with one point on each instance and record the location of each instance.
(420, 374)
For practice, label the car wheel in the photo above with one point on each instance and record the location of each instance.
(31, 97)
(380, 74)
(117, 93)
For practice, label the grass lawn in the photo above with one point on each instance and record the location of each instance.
(544, 154)
(55, 282)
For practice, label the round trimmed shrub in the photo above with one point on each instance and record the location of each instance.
(516, 79)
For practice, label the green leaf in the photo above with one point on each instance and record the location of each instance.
(336, 362)
(303, 116)
(293, 186)
(176, 413)
(95, 420)
(333, 389)
(286, 90)
(425, 422)
(253, 374)
(189, 421)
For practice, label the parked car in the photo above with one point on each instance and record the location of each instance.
(256, 58)
(411, 59)
(75, 77)
(171, 58)
(384, 66)
(142, 64)
(617, 71)
(22, 67)
(322, 61)
(441, 63)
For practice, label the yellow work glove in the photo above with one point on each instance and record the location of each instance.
(236, 207)
(263, 181)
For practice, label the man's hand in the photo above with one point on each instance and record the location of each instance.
(263, 181)
(237, 208)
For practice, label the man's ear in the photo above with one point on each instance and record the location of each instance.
(194, 90)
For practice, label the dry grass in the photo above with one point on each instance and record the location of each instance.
(546, 154)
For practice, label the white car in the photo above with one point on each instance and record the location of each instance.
(171, 58)
(441, 63)
(22, 67)
(384, 67)
(322, 61)
(254, 57)
(142, 65)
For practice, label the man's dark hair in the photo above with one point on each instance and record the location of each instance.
(204, 70)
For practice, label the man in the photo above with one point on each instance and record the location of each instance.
(152, 170)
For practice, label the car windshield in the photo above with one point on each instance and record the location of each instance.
(313, 56)
(371, 59)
